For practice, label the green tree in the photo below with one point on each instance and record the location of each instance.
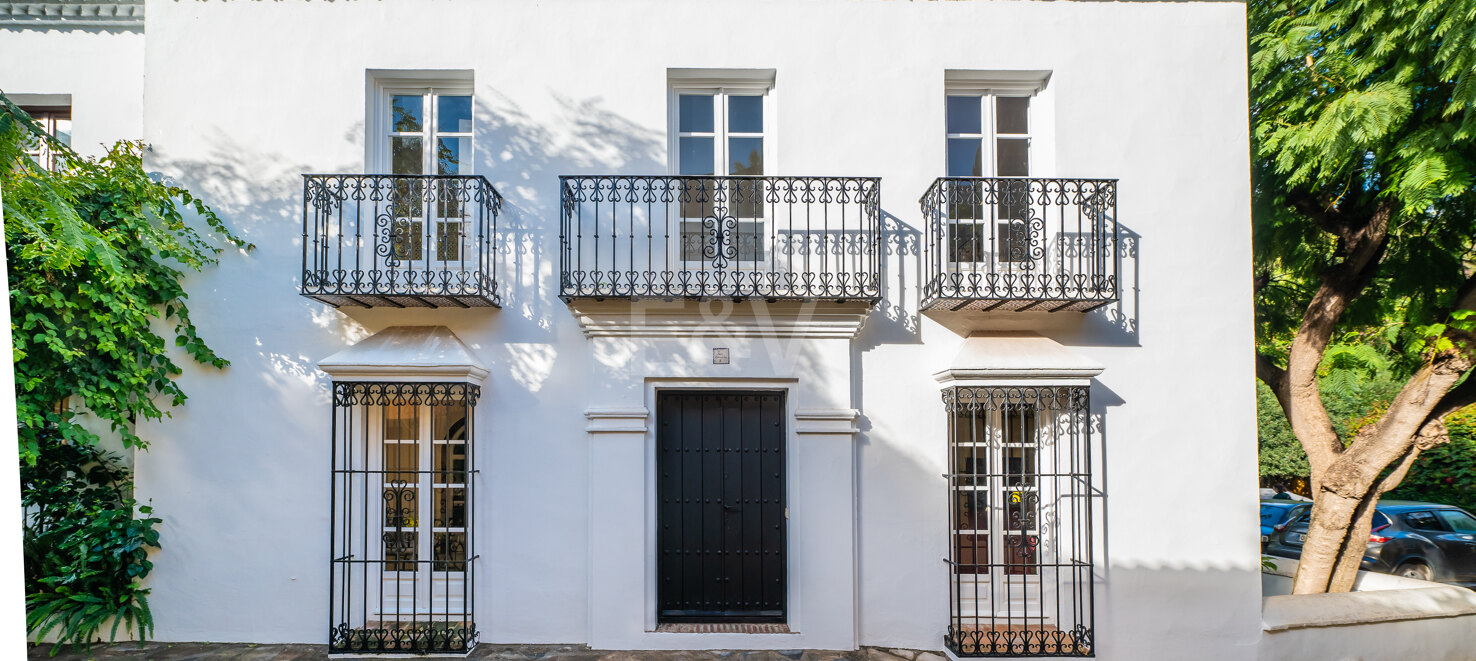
(97, 250)
(1363, 117)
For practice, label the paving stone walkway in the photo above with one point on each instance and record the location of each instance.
(251, 652)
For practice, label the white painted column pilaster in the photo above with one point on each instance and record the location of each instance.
(617, 523)
(823, 523)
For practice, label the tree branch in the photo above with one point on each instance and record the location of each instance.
(1363, 247)
(1454, 400)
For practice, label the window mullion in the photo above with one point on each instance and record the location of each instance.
(989, 135)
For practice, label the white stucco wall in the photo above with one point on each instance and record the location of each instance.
(102, 68)
(242, 98)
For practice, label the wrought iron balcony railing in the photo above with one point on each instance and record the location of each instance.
(1020, 244)
(804, 238)
(399, 240)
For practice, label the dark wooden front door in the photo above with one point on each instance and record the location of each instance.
(721, 506)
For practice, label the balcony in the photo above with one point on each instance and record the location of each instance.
(1020, 244)
(704, 237)
(399, 240)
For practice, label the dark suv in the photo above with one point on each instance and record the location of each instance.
(1419, 540)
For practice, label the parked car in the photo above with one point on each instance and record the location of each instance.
(1419, 540)
(1276, 512)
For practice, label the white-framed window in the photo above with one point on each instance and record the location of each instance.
(424, 127)
(988, 135)
(722, 130)
(422, 458)
(57, 122)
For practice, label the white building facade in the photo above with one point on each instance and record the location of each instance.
(658, 325)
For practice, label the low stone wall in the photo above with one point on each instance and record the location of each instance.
(1385, 618)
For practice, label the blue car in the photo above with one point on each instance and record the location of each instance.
(1418, 540)
(1277, 512)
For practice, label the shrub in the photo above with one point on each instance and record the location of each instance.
(85, 551)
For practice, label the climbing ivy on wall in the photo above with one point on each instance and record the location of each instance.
(97, 253)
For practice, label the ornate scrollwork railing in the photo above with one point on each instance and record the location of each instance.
(720, 237)
(1020, 244)
(399, 240)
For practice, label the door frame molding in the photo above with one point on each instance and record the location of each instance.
(792, 568)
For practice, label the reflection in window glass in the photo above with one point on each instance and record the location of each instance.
(405, 155)
(746, 156)
(406, 109)
(450, 153)
(1421, 521)
(1457, 521)
(454, 114)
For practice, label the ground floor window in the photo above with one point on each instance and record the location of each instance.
(403, 558)
(1019, 489)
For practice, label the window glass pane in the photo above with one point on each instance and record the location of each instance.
(63, 131)
(1378, 519)
(1020, 553)
(745, 114)
(405, 155)
(451, 154)
(971, 552)
(694, 113)
(400, 550)
(448, 551)
(454, 114)
(1014, 246)
(401, 460)
(966, 243)
(965, 157)
(449, 508)
(965, 114)
(695, 156)
(1458, 521)
(1013, 157)
(406, 111)
(401, 423)
(450, 422)
(1011, 114)
(745, 156)
(1019, 425)
(1020, 509)
(972, 510)
(971, 460)
(1019, 466)
(450, 463)
(1421, 521)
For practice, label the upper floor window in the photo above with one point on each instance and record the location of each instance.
(988, 135)
(425, 128)
(57, 122)
(720, 131)
(428, 131)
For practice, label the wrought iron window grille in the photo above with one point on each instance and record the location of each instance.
(669, 237)
(403, 563)
(1020, 244)
(1019, 502)
(400, 240)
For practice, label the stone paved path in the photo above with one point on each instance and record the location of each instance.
(251, 652)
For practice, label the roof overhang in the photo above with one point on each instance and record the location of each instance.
(406, 353)
(1016, 357)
